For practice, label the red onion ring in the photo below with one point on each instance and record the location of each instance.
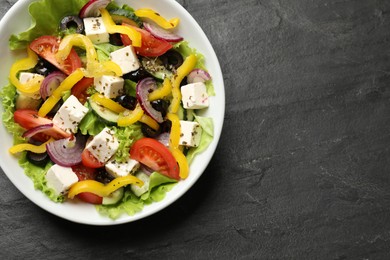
(143, 88)
(198, 75)
(163, 138)
(50, 83)
(91, 9)
(161, 33)
(61, 153)
(38, 129)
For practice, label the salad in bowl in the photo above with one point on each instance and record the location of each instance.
(109, 106)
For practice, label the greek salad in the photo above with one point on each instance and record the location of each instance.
(104, 107)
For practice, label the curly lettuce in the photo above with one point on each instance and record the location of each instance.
(130, 204)
(35, 173)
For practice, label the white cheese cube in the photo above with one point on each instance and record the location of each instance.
(138, 191)
(70, 114)
(103, 145)
(126, 58)
(194, 96)
(95, 30)
(25, 77)
(109, 86)
(190, 133)
(60, 178)
(119, 169)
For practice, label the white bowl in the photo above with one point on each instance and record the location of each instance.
(17, 20)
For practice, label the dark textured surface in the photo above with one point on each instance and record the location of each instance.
(302, 169)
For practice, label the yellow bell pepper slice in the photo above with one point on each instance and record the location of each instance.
(134, 35)
(149, 121)
(130, 117)
(182, 161)
(187, 66)
(100, 189)
(94, 68)
(31, 86)
(107, 103)
(29, 147)
(174, 136)
(174, 139)
(157, 18)
(65, 85)
(161, 92)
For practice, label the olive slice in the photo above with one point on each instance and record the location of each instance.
(72, 21)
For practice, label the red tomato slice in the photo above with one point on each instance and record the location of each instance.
(151, 46)
(85, 173)
(47, 46)
(89, 160)
(156, 156)
(29, 119)
(80, 89)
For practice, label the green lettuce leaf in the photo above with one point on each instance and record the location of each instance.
(206, 138)
(156, 190)
(7, 95)
(46, 16)
(103, 50)
(130, 87)
(126, 137)
(131, 204)
(35, 173)
(91, 124)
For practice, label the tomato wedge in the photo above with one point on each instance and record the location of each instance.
(86, 173)
(80, 89)
(47, 46)
(156, 156)
(89, 160)
(151, 46)
(29, 119)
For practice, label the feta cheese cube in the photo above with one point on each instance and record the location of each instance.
(103, 145)
(126, 58)
(194, 96)
(70, 114)
(190, 133)
(95, 30)
(109, 86)
(119, 169)
(25, 77)
(60, 178)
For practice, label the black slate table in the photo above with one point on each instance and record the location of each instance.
(302, 170)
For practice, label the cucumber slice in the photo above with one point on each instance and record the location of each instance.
(155, 67)
(26, 102)
(109, 117)
(114, 197)
(125, 16)
(138, 191)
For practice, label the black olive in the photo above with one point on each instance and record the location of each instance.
(72, 21)
(38, 159)
(137, 75)
(184, 82)
(149, 132)
(115, 39)
(44, 67)
(127, 101)
(171, 59)
(56, 107)
(161, 106)
(166, 126)
(103, 176)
